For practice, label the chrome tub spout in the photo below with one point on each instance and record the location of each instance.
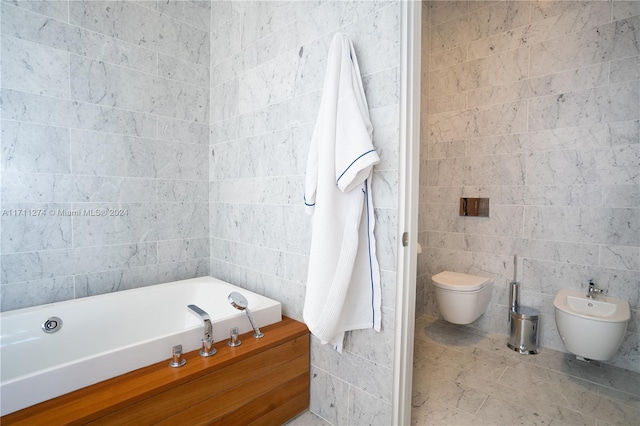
(207, 340)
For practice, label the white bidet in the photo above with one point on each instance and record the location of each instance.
(591, 326)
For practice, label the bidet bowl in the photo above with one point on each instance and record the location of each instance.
(591, 328)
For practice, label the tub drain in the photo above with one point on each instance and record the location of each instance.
(52, 325)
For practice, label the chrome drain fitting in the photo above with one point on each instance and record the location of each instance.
(52, 325)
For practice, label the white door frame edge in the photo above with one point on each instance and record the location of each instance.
(408, 182)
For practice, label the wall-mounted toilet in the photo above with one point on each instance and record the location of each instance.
(461, 298)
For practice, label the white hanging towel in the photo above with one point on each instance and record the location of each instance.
(343, 282)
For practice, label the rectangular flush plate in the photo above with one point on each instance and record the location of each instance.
(477, 207)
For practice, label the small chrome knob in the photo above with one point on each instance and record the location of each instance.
(234, 338)
(176, 359)
(207, 347)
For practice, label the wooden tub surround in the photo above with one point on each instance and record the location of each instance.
(262, 381)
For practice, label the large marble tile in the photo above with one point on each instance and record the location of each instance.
(177, 271)
(565, 81)
(585, 254)
(484, 170)
(620, 257)
(105, 154)
(386, 223)
(251, 190)
(479, 24)
(239, 222)
(137, 25)
(328, 396)
(33, 227)
(33, 148)
(112, 189)
(611, 41)
(625, 9)
(56, 9)
(180, 190)
(104, 258)
(373, 345)
(624, 132)
(379, 29)
(37, 292)
(182, 220)
(366, 409)
(108, 281)
(184, 71)
(385, 135)
(136, 224)
(440, 12)
(491, 71)
(175, 130)
(39, 29)
(100, 83)
(584, 225)
(578, 167)
(34, 68)
(359, 372)
(384, 187)
(443, 416)
(38, 265)
(625, 70)
(226, 101)
(78, 115)
(486, 121)
(268, 261)
(187, 12)
(603, 104)
(382, 88)
(181, 161)
(267, 84)
(550, 21)
(113, 155)
(36, 188)
(307, 418)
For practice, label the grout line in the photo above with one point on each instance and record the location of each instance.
(481, 405)
(502, 374)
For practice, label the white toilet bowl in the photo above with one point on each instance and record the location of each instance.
(461, 298)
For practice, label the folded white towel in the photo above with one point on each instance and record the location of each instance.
(343, 282)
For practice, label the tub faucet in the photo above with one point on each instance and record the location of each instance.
(593, 290)
(207, 340)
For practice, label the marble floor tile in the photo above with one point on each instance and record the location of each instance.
(499, 412)
(524, 397)
(307, 418)
(463, 376)
(443, 416)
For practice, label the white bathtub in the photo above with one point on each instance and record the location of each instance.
(111, 334)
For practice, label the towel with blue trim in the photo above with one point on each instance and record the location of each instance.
(343, 281)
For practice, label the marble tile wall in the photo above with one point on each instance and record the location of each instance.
(536, 105)
(267, 70)
(105, 107)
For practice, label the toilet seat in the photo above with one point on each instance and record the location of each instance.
(455, 281)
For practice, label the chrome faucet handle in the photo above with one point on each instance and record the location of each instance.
(207, 347)
(593, 290)
(176, 357)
